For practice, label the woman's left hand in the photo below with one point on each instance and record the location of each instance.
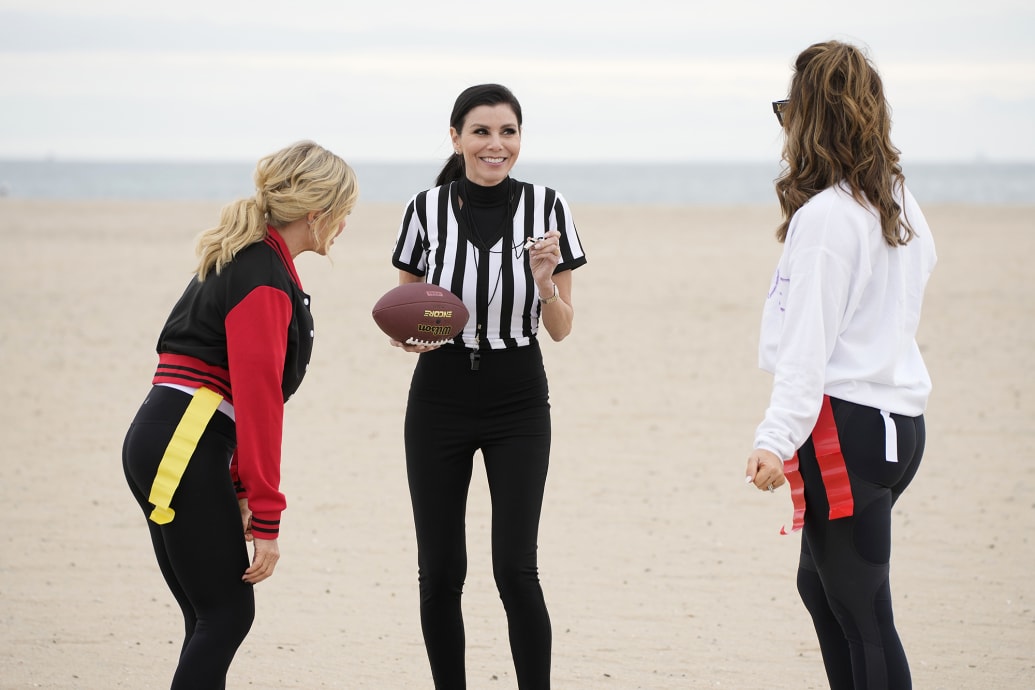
(544, 256)
(264, 560)
(764, 470)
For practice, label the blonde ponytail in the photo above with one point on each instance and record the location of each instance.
(241, 223)
(289, 184)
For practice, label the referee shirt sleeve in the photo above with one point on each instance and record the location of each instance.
(410, 252)
(572, 254)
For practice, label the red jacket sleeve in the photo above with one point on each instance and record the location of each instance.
(256, 340)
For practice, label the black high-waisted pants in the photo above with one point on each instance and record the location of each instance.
(843, 573)
(202, 552)
(503, 410)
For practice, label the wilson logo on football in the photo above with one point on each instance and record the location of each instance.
(434, 330)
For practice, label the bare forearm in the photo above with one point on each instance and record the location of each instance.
(558, 314)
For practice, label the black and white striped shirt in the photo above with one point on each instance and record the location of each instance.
(496, 283)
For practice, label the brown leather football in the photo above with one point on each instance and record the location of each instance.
(420, 314)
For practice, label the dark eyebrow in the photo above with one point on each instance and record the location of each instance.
(476, 125)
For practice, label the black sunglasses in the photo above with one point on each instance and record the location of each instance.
(778, 108)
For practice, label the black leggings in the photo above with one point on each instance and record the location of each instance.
(202, 552)
(503, 410)
(843, 574)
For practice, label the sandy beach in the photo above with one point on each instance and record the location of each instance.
(661, 569)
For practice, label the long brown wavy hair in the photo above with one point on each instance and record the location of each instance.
(838, 124)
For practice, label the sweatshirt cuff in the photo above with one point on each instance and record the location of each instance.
(765, 444)
(265, 527)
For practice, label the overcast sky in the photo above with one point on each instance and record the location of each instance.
(641, 80)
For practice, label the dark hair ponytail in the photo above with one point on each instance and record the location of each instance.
(452, 170)
(469, 99)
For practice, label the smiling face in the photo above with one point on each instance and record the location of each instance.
(489, 142)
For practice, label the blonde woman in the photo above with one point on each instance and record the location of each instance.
(845, 424)
(202, 456)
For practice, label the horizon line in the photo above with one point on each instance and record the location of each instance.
(978, 160)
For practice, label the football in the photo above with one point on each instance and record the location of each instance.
(420, 314)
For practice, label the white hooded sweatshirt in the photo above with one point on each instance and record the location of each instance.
(841, 317)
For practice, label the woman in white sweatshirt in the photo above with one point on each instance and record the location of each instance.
(845, 425)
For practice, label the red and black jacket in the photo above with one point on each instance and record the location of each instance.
(247, 334)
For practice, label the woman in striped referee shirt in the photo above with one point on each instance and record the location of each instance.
(486, 389)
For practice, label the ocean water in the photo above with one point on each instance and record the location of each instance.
(590, 183)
